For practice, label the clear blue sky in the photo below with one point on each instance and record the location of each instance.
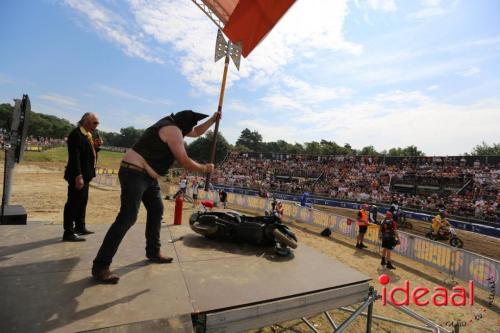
(376, 72)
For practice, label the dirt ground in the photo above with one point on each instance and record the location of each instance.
(40, 188)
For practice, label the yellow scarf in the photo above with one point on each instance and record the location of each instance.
(90, 140)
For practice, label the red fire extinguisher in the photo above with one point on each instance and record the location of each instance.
(178, 209)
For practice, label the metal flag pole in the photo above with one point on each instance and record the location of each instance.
(222, 49)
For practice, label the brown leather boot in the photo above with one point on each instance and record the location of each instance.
(103, 275)
(160, 259)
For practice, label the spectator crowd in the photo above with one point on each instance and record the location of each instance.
(466, 186)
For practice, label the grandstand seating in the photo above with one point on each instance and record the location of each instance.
(465, 185)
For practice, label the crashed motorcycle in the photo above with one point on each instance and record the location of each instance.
(447, 233)
(232, 226)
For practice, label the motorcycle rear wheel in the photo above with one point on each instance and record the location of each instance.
(282, 238)
(456, 242)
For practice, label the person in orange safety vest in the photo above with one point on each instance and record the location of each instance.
(363, 226)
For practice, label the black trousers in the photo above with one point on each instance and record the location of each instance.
(75, 207)
(136, 187)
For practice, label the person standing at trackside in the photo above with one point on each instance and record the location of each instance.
(388, 234)
(183, 185)
(362, 225)
(80, 169)
(150, 158)
(195, 188)
(223, 198)
(372, 217)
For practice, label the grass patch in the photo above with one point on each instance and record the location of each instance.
(106, 159)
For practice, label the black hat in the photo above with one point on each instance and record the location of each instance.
(187, 119)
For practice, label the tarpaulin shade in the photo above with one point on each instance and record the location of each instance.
(248, 21)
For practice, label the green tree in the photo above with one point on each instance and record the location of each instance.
(200, 149)
(408, 151)
(368, 151)
(332, 148)
(313, 148)
(5, 115)
(39, 124)
(129, 136)
(486, 150)
(297, 148)
(250, 139)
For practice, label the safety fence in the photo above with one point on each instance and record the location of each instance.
(106, 177)
(455, 262)
(468, 226)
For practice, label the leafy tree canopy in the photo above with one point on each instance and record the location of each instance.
(200, 149)
(486, 150)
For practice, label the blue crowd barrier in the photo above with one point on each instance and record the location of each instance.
(467, 226)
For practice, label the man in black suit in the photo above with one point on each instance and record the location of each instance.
(82, 157)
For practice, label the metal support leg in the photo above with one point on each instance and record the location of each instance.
(371, 298)
(369, 316)
(394, 321)
(311, 326)
(332, 322)
(420, 318)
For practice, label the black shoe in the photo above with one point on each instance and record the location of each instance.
(389, 265)
(358, 246)
(83, 232)
(363, 246)
(382, 262)
(160, 258)
(103, 275)
(72, 238)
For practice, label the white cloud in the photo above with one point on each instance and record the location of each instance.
(56, 110)
(112, 27)
(242, 108)
(402, 97)
(295, 94)
(308, 27)
(383, 5)
(472, 71)
(282, 102)
(123, 94)
(60, 100)
(430, 8)
(272, 131)
(436, 128)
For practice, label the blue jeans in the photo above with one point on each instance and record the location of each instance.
(136, 186)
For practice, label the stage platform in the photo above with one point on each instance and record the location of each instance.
(45, 284)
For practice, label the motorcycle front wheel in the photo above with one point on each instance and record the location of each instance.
(456, 242)
(203, 229)
(282, 238)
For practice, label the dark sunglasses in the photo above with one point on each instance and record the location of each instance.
(95, 123)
